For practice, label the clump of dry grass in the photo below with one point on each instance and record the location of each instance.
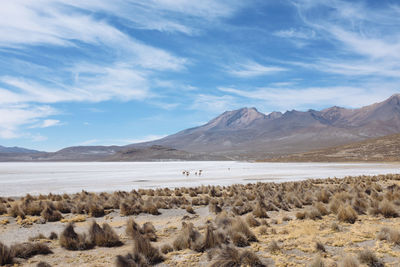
(131, 260)
(3, 209)
(368, 257)
(211, 240)
(15, 211)
(387, 209)
(43, 264)
(70, 240)
(349, 261)
(190, 210)
(273, 247)
(53, 236)
(251, 221)
(260, 211)
(229, 256)
(239, 226)
(6, 256)
(96, 209)
(390, 235)
(51, 215)
(347, 214)
(142, 246)
(103, 236)
(320, 247)
(188, 238)
(317, 262)
(27, 250)
(167, 248)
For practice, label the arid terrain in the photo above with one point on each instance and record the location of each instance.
(322, 222)
(381, 149)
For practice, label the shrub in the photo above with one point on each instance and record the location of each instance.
(239, 226)
(51, 215)
(103, 237)
(27, 250)
(317, 262)
(70, 240)
(251, 221)
(239, 240)
(53, 236)
(166, 248)
(347, 214)
(368, 257)
(190, 210)
(130, 260)
(96, 210)
(6, 256)
(387, 209)
(210, 240)
(273, 247)
(319, 246)
(188, 238)
(300, 215)
(230, 256)
(3, 209)
(15, 211)
(349, 261)
(43, 264)
(390, 235)
(260, 211)
(143, 247)
(149, 231)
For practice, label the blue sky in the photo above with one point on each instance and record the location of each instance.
(117, 72)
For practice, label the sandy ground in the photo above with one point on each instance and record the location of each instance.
(296, 239)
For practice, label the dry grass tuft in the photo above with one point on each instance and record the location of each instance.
(188, 238)
(103, 236)
(390, 235)
(70, 240)
(320, 247)
(167, 248)
(51, 215)
(349, 261)
(142, 246)
(43, 264)
(27, 250)
(347, 214)
(6, 256)
(251, 221)
(273, 247)
(317, 262)
(368, 257)
(230, 257)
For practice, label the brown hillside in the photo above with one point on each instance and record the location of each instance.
(380, 149)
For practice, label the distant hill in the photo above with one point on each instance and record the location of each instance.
(159, 153)
(16, 149)
(380, 149)
(111, 153)
(247, 133)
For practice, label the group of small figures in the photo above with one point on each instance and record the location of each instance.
(187, 173)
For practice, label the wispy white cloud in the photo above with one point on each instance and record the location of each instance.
(366, 40)
(296, 33)
(213, 103)
(46, 123)
(303, 98)
(12, 117)
(251, 69)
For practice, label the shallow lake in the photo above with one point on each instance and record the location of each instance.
(18, 179)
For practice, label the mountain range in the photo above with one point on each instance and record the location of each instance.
(380, 149)
(247, 134)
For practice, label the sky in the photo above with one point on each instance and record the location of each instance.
(96, 72)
